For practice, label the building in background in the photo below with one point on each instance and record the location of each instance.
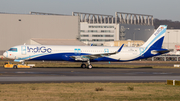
(98, 28)
(43, 41)
(172, 41)
(127, 43)
(17, 29)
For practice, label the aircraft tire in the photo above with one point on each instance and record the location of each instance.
(15, 66)
(83, 65)
(89, 66)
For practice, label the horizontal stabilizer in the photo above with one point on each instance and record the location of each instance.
(161, 51)
(164, 51)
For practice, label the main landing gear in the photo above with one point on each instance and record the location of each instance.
(89, 66)
(83, 65)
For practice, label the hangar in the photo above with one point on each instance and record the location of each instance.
(17, 29)
(171, 41)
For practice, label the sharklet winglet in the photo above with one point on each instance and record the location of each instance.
(120, 48)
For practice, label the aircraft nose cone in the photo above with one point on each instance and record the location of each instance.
(5, 54)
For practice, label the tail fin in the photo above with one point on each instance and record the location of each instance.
(156, 39)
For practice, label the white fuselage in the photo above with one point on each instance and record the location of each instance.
(33, 52)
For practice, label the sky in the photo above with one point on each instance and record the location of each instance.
(161, 9)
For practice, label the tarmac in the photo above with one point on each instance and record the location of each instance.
(69, 74)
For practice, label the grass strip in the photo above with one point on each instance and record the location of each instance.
(89, 92)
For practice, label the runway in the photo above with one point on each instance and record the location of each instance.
(37, 75)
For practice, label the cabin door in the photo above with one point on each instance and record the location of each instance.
(23, 50)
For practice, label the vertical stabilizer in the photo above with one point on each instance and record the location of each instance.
(156, 39)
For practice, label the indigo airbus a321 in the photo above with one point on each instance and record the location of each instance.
(152, 47)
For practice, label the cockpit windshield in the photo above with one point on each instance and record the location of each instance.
(13, 49)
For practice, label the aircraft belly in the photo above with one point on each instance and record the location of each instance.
(126, 56)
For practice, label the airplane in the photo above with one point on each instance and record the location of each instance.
(152, 47)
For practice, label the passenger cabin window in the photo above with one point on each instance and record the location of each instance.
(13, 49)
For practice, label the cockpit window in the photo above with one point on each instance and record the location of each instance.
(13, 49)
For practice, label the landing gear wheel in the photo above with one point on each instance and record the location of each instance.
(83, 65)
(89, 67)
(15, 67)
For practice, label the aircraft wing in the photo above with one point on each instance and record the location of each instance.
(93, 56)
